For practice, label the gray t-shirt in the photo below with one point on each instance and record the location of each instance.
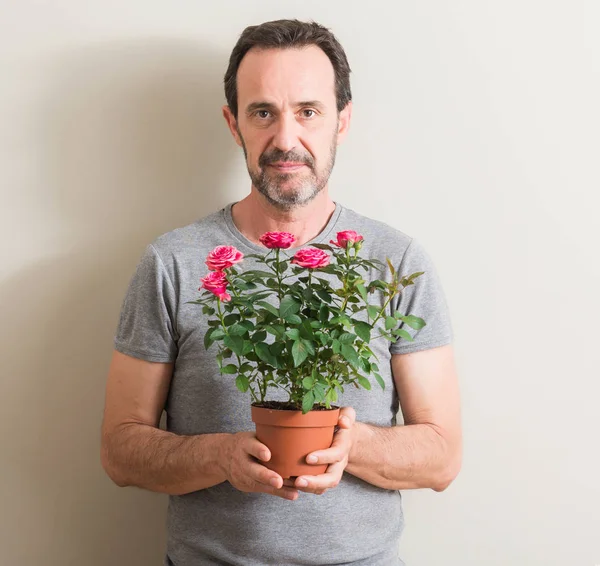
(355, 523)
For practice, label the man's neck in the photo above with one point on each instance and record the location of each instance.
(254, 215)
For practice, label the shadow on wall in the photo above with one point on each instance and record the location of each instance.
(133, 144)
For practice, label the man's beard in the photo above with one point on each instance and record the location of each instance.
(304, 187)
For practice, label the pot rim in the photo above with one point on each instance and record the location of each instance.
(286, 417)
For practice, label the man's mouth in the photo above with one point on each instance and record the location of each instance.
(286, 166)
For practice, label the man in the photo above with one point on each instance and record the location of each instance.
(289, 107)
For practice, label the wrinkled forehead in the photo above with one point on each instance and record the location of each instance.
(285, 76)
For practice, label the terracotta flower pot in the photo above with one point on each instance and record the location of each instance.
(291, 436)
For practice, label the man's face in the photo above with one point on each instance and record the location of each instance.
(287, 123)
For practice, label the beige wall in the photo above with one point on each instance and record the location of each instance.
(475, 129)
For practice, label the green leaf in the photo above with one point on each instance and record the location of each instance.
(323, 295)
(379, 380)
(276, 330)
(323, 338)
(390, 322)
(344, 320)
(336, 346)
(390, 266)
(230, 319)
(362, 291)
(217, 334)
(245, 367)
(410, 279)
(299, 352)
(413, 321)
(272, 309)
(306, 330)
(364, 381)
(373, 311)
(277, 347)
(332, 269)
(322, 247)
(323, 313)
(289, 305)
(242, 383)
(350, 354)
(208, 341)
(310, 348)
(403, 334)
(257, 273)
(229, 368)
(259, 336)
(308, 401)
(347, 338)
(363, 330)
(293, 334)
(331, 396)
(237, 330)
(257, 297)
(264, 354)
(248, 324)
(234, 343)
(319, 391)
(308, 382)
(208, 310)
(248, 347)
(293, 319)
(378, 284)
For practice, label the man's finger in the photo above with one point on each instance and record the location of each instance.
(330, 456)
(265, 476)
(284, 492)
(318, 483)
(338, 450)
(347, 417)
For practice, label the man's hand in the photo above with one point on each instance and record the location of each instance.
(336, 456)
(246, 474)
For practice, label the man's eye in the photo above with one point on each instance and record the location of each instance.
(306, 110)
(262, 113)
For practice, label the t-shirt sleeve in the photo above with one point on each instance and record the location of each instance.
(147, 327)
(424, 299)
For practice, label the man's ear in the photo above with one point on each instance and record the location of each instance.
(344, 122)
(232, 124)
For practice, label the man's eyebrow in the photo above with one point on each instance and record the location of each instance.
(270, 106)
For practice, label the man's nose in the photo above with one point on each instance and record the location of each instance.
(286, 134)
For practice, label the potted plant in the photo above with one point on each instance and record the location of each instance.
(288, 326)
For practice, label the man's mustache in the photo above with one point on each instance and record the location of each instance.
(275, 156)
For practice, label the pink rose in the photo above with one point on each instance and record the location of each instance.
(311, 258)
(281, 240)
(216, 283)
(346, 236)
(223, 257)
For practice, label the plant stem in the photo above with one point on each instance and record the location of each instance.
(278, 273)
(221, 316)
(396, 291)
(343, 307)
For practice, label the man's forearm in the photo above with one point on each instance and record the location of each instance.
(403, 457)
(143, 456)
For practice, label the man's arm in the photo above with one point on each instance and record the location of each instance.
(427, 450)
(135, 452)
